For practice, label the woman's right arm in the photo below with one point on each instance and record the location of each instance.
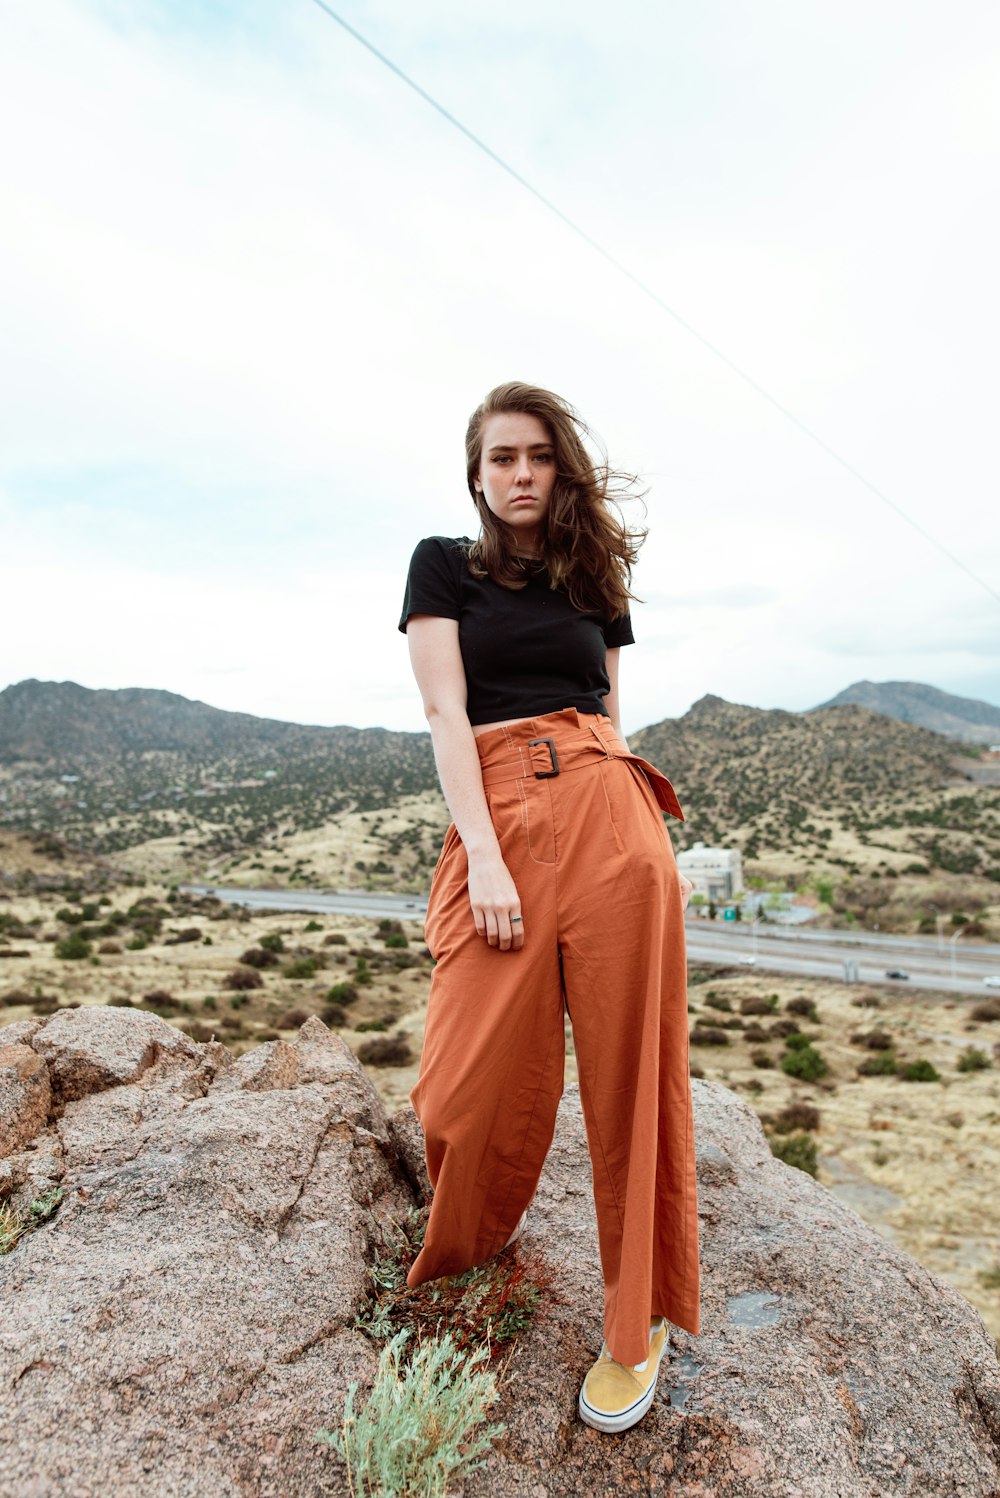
(437, 666)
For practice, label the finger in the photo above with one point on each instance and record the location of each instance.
(492, 933)
(480, 919)
(503, 926)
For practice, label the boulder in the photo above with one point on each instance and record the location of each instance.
(184, 1323)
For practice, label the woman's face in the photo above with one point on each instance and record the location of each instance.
(517, 474)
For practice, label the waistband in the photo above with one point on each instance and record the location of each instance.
(557, 744)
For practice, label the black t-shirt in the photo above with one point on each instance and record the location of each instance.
(526, 651)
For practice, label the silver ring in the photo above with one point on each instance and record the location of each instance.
(515, 918)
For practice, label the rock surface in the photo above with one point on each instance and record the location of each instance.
(183, 1325)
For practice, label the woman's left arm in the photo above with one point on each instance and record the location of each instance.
(611, 699)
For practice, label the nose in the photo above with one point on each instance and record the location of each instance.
(523, 473)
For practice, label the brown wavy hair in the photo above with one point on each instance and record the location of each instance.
(587, 547)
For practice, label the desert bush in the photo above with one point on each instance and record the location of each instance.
(423, 1425)
(109, 948)
(334, 1015)
(209, 1002)
(385, 1050)
(806, 1063)
(715, 1000)
(867, 1001)
(73, 948)
(242, 979)
(198, 1032)
(920, 1071)
(397, 939)
(755, 1032)
(136, 944)
(782, 1028)
(755, 1005)
(362, 972)
(120, 1001)
(798, 1041)
(260, 957)
(801, 1116)
(342, 993)
(292, 1019)
(881, 1065)
(178, 938)
(762, 1060)
(873, 1040)
(301, 968)
(160, 999)
(371, 1024)
(335, 939)
(803, 1006)
(708, 1035)
(986, 1012)
(796, 1149)
(312, 926)
(972, 1059)
(274, 942)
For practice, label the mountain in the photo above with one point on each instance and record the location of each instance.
(963, 718)
(110, 770)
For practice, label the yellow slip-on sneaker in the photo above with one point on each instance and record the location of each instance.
(614, 1396)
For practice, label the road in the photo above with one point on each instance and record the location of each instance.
(778, 949)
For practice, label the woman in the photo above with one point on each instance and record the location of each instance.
(556, 885)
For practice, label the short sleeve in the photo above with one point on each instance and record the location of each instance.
(433, 583)
(619, 632)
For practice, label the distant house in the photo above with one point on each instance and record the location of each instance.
(714, 872)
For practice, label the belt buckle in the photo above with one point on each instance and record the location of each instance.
(546, 774)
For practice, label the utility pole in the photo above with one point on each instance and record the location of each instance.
(954, 963)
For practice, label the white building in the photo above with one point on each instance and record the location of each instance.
(716, 873)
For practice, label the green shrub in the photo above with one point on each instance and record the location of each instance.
(972, 1059)
(796, 1149)
(422, 1426)
(73, 948)
(312, 926)
(797, 1042)
(397, 939)
(273, 943)
(371, 1024)
(342, 993)
(302, 967)
(881, 1065)
(715, 1000)
(920, 1071)
(805, 1063)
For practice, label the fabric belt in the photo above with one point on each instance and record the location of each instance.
(541, 759)
(544, 758)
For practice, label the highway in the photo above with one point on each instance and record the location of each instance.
(947, 967)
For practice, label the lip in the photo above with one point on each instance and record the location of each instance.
(524, 499)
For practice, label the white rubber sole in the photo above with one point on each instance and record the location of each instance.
(611, 1424)
(518, 1230)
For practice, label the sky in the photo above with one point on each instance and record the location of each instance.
(252, 286)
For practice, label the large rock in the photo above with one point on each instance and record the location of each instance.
(829, 1365)
(183, 1325)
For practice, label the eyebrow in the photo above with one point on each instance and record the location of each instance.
(506, 447)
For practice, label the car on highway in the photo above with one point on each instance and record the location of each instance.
(897, 972)
(748, 961)
(993, 981)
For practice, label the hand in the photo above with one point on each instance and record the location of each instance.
(687, 890)
(495, 904)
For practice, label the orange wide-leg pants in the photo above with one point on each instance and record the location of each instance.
(603, 934)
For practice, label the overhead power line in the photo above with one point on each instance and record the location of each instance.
(655, 297)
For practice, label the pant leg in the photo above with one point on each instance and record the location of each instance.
(622, 939)
(491, 1069)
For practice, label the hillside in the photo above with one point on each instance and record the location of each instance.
(170, 788)
(963, 718)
